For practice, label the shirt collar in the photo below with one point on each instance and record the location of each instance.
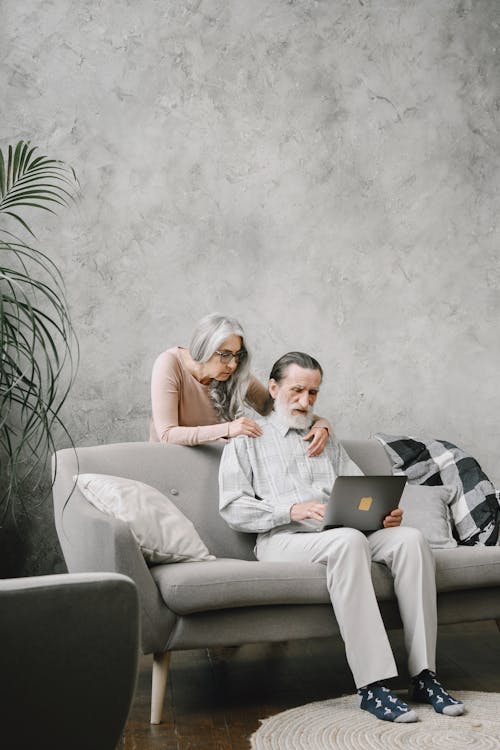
(282, 427)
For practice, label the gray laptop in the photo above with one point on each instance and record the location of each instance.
(362, 502)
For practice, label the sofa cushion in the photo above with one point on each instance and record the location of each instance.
(467, 567)
(475, 509)
(428, 509)
(227, 583)
(162, 532)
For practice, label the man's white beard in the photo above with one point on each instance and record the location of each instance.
(294, 421)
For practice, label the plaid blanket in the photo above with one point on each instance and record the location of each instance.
(475, 508)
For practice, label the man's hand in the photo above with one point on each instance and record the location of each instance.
(393, 520)
(301, 511)
(318, 437)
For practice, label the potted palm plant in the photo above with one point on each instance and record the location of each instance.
(38, 348)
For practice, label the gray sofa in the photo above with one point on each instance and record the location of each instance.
(234, 599)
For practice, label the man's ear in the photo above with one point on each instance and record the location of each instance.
(273, 388)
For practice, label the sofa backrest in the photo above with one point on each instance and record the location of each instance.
(370, 456)
(187, 475)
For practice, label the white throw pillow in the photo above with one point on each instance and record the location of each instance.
(163, 533)
(428, 509)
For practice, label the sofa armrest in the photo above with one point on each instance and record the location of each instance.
(92, 541)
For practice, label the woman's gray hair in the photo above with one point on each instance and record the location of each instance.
(228, 396)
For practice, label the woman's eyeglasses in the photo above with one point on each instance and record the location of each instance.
(227, 357)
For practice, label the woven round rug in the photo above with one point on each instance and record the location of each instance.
(339, 724)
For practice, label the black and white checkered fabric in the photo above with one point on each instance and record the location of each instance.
(475, 507)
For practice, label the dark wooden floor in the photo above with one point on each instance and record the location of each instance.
(215, 699)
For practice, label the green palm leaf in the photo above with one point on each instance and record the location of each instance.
(38, 347)
(33, 182)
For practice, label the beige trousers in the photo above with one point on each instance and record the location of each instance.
(348, 555)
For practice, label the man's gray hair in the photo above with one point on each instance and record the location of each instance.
(293, 358)
(228, 396)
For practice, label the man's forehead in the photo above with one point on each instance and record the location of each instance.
(297, 375)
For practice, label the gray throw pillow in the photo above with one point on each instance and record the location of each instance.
(428, 509)
(162, 531)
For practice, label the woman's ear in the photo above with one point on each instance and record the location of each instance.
(273, 388)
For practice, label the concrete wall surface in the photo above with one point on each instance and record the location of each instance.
(327, 171)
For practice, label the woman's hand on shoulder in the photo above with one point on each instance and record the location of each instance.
(244, 426)
(319, 438)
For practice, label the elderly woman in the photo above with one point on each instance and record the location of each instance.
(199, 394)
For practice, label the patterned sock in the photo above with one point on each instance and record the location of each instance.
(383, 704)
(426, 689)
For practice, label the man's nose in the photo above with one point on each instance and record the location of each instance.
(304, 400)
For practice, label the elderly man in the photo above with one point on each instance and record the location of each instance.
(270, 485)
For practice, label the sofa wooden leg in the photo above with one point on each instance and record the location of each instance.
(498, 624)
(159, 683)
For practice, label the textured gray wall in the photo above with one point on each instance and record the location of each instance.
(326, 171)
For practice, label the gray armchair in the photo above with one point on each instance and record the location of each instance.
(69, 658)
